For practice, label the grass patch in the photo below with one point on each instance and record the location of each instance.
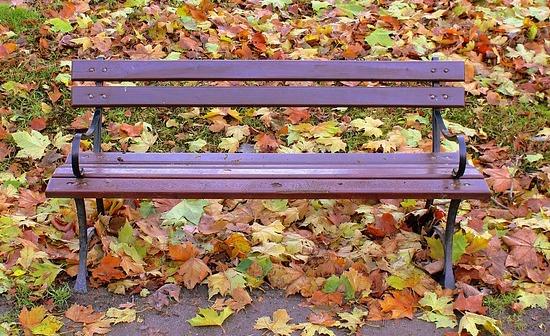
(60, 295)
(19, 19)
(500, 307)
(22, 297)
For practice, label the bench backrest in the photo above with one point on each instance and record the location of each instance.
(433, 96)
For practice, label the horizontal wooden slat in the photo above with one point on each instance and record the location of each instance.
(267, 188)
(285, 159)
(267, 70)
(154, 96)
(332, 172)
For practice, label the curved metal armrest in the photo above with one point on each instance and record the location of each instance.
(457, 172)
(75, 148)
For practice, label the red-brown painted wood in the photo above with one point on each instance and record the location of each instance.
(267, 70)
(267, 188)
(267, 158)
(154, 96)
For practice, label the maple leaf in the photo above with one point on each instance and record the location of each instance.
(354, 320)
(237, 245)
(146, 52)
(277, 3)
(116, 315)
(182, 252)
(532, 300)
(78, 313)
(522, 248)
(161, 297)
(439, 310)
(266, 143)
(101, 327)
(472, 303)
(187, 210)
(400, 304)
(460, 244)
(380, 37)
(265, 233)
(384, 225)
(297, 114)
(32, 144)
(369, 125)
(107, 269)
(470, 321)
(500, 179)
(310, 329)
(48, 326)
(278, 325)
(193, 271)
(209, 317)
(29, 319)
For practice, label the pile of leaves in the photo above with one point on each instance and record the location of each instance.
(352, 260)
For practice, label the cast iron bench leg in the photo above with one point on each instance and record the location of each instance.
(81, 278)
(448, 275)
(100, 207)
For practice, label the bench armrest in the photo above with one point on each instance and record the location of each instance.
(75, 148)
(457, 172)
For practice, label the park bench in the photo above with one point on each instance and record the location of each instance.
(267, 175)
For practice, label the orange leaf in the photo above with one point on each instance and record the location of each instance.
(297, 114)
(182, 252)
(193, 271)
(472, 304)
(267, 142)
(237, 245)
(400, 304)
(29, 319)
(82, 314)
(385, 225)
(107, 269)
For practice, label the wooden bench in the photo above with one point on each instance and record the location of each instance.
(261, 175)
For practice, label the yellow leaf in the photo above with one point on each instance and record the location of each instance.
(278, 325)
(116, 315)
(209, 317)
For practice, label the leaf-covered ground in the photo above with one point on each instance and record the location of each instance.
(352, 261)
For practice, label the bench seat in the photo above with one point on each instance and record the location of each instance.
(265, 175)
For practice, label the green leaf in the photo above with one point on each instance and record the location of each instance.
(438, 310)
(530, 300)
(209, 317)
(277, 3)
(190, 210)
(533, 157)
(48, 326)
(135, 3)
(60, 25)
(441, 321)
(32, 144)
(45, 273)
(332, 284)
(126, 234)
(196, 145)
(396, 282)
(351, 8)
(318, 5)
(380, 37)
(470, 321)
(412, 136)
(276, 205)
(63, 78)
(459, 246)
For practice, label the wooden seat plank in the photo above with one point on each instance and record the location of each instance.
(267, 188)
